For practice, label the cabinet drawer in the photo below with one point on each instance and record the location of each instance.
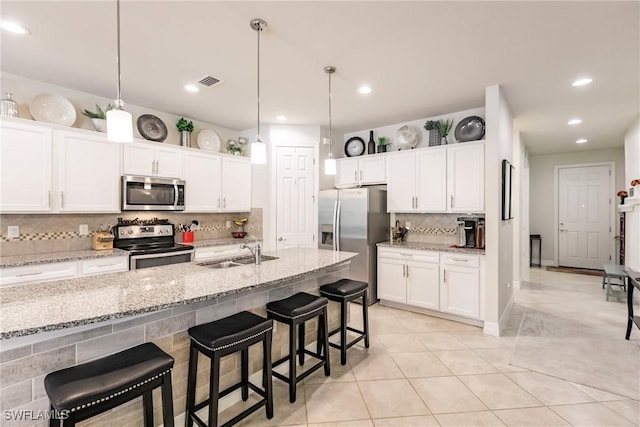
(409, 254)
(104, 265)
(37, 273)
(217, 252)
(463, 260)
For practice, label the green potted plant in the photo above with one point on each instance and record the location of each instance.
(444, 126)
(434, 132)
(185, 127)
(236, 150)
(383, 141)
(99, 118)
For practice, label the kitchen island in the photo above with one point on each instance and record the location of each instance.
(48, 326)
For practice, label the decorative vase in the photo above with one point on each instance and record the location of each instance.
(434, 137)
(371, 149)
(185, 138)
(444, 140)
(100, 124)
(382, 148)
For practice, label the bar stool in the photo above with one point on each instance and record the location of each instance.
(221, 338)
(295, 311)
(344, 291)
(82, 391)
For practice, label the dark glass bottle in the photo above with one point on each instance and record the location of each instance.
(371, 149)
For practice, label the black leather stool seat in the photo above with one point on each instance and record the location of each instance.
(343, 288)
(100, 380)
(296, 305)
(230, 331)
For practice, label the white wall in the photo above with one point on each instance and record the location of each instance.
(632, 171)
(25, 90)
(632, 154)
(499, 234)
(542, 171)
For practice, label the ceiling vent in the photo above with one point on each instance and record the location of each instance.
(208, 81)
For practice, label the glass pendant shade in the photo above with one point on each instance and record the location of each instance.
(329, 165)
(258, 152)
(119, 126)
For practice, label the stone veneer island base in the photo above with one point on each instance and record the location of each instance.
(46, 327)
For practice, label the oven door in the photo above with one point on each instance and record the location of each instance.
(153, 260)
(146, 193)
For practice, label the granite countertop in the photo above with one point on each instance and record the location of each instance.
(22, 260)
(29, 309)
(439, 247)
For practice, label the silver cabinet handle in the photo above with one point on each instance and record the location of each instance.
(224, 202)
(416, 202)
(563, 229)
(459, 260)
(62, 199)
(360, 174)
(157, 167)
(451, 201)
(218, 201)
(444, 275)
(281, 239)
(29, 274)
(355, 175)
(403, 270)
(407, 270)
(50, 198)
(408, 255)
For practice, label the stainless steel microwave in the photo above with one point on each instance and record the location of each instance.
(150, 193)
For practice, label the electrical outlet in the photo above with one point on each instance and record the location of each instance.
(228, 224)
(83, 230)
(13, 231)
(407, 224)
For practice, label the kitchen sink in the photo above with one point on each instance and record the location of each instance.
(235, 262)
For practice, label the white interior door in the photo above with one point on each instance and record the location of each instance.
(584, 232)
(294, 197)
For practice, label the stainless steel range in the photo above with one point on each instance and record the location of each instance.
(150, 243)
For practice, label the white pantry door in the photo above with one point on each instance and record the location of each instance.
(294, 197)
(584, 216)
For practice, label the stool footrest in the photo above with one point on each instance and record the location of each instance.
(227, 391)
(300, 377)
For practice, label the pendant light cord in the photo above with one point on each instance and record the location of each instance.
(330, 135)
(259, 30)
(118, 100)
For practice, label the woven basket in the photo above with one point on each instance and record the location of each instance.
(434, 137)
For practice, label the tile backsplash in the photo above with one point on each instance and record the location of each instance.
(430, 228)
(45, 233)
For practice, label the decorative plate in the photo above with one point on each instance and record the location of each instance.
(208, 140)
(407, 137)
(54, 109)
(354, 146)
(470, 129)
(242, 140)
(152, 128)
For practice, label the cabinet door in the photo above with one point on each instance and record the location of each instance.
(459, 291)
(465, 177)
(346, 173)
(423, 284)
(169, 162)
(431, 180)
(203, 173)
(401, 182)
(87, 171)
(139, 159)
(391, 282)
(372, 170)
(25, 168)
(236, 184)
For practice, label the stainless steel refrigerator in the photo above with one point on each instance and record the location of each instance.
(354, 220)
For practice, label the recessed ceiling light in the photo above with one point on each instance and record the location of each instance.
(574, 122)
(14, 27)
(281, 118)
(364, 89)
(581, 141)
(191, 88)
(582, 82)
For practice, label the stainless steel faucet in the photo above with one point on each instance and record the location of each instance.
(256, 251)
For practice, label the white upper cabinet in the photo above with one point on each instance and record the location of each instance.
(431, 180)
(87, 169)
(217, 183)
(25, 167)
(152, 159)
(465, 177)
(353, 172)
(401, 182)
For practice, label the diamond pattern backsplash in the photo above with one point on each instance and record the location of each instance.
(430, 228)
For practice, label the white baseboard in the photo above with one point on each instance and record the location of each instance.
(495, 328)
(516, 285)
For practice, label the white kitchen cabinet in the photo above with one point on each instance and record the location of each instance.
(87, 172)
(25, 167)
(217, 183)
(152, 159)
(215, 252)
(409, 277)
(416, 181)
(465, 177)
(460, 285)
(103, 265)
(353, 172)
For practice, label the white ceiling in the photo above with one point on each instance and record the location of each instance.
(422, 59)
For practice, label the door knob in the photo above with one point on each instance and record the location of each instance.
(281, 239)
(562, 229)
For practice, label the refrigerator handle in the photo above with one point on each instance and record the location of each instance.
(337, 235)
(335, 225)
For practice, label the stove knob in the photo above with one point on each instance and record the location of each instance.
(130, 232)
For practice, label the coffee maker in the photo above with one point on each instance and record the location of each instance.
(468, 235)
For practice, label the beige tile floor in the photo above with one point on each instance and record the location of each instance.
(425, 371)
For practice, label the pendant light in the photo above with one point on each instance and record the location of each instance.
(330, 162)
(119, 122)
(258, 148)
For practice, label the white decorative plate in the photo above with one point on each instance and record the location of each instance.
(407, 137)
(208, 140)
(54, 109)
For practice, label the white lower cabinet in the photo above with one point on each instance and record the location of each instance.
(437, 281)
(214, 252)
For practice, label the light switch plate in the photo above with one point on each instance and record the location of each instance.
(228, 224)
(13, 231)
(407, 224)
(83, 230)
